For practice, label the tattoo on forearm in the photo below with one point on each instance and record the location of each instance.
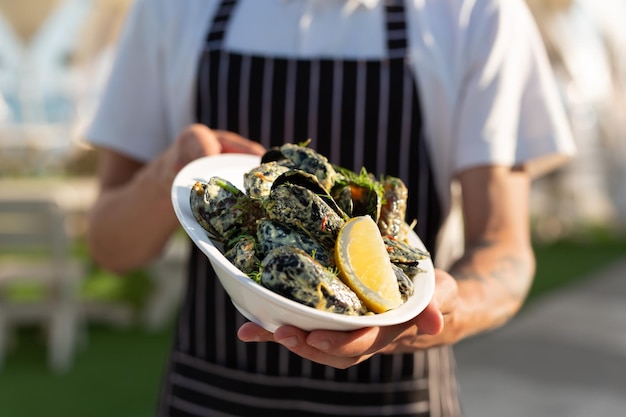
(510, 271)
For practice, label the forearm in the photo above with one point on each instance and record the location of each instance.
(493, 281)
(133, 218)
(492, 278)
(131, 222)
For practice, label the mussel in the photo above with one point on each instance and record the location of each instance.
(258, 181)
(223, 210)
(359, 194)
(272, 234)
(393, 210)
(301, 208)
(304, 158)
(405, 284)
(309, 160)
(293, 273)
(310, 182)
(404, 255)
(242, 252)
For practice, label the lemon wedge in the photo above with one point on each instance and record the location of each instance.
(364, 265)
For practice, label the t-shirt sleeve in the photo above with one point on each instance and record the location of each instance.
(510, 111)
(130, 117)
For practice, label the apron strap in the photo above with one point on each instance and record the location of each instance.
(215, 36)
(396, 28)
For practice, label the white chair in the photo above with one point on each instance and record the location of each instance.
(168, 277)
(35, 248)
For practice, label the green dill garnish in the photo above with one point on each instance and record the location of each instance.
(255, 276)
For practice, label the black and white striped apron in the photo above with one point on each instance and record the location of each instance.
(357, 113)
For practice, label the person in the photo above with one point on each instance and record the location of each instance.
(448, 95)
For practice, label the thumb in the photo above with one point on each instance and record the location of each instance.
(430, 320)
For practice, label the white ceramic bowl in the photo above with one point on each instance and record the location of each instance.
(257, 303)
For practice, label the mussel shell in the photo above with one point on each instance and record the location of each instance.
(294, 274)
(342, 195)
(300, 207)
(301, 178)
(309, 160)
(404, 255)
(272, 234)
(365, 202)
(212, 205)
(242, 253)
(273, 154)
(199, 206)
(358, 194)
(310, 182)
(393, 211)
(405, 284)
(223, 210)
(258, 181)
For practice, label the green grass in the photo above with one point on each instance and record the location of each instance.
(564, 263)
(116, 375)
(118, 372)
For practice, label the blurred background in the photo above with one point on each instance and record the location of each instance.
(77, 341)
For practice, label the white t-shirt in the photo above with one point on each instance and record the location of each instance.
(486, 86)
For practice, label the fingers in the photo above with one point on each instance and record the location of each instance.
(197, 140)
(233, 143)
(336, 349)
(326, 347)
(348, 344)
(250, 332)
(297, 341)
